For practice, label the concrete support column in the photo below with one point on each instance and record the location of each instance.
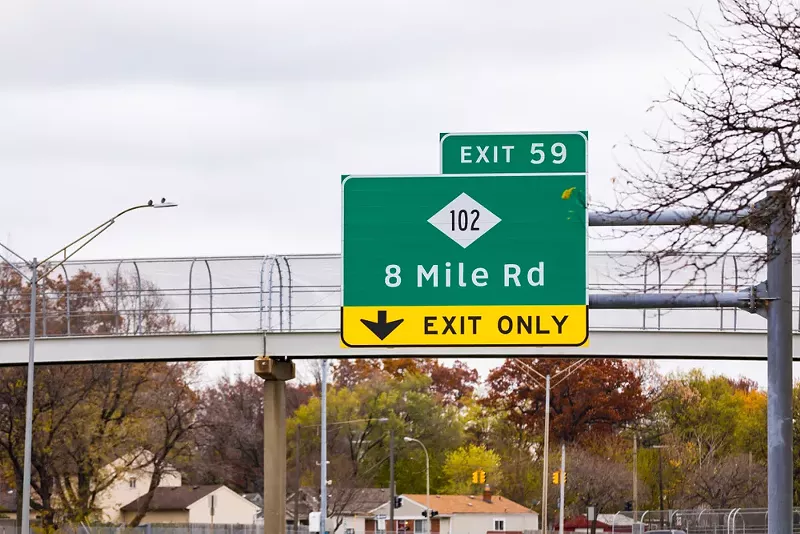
(275, 374)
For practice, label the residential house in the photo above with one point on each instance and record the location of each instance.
(193, 504)
(133, 475)
(456, 513)
(348, 508)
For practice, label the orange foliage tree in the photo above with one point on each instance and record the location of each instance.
(453, 384)
(598, 397)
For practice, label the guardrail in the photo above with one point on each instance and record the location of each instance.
(301, 293)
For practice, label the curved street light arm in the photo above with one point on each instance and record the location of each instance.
(92, 234)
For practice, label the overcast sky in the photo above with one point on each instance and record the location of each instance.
(247, 112)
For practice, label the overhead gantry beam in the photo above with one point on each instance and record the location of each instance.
(655, 344)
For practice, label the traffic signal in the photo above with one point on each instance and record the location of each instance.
(555, 477)
(474, 477)
(398, 502)
(629, 506)
(434, 513)
(479, 476)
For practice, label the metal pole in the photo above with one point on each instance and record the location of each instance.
(563, 483)
(660, 490)
(673, 217)
(669, 300)
(779, 365)
(297, 479)
(323, 467)
(635, 475)
(546, 456)
(26, 470)
(427, 485)
(391, 481)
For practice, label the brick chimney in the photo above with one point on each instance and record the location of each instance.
(487, 494)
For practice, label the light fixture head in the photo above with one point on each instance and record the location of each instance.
(407, 439)
(163, 204)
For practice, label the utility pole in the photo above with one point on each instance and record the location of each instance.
(660, 489)
(391, 481)
(297, 479)
(546, 458)
(635, 475)
(563, 481)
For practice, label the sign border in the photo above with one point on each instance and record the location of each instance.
(346, 177)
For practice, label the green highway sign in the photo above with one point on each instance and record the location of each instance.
(477, 259)
(547, 152)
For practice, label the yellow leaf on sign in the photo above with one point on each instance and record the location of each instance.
(567, 193)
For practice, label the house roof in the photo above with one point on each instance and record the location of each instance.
(470, 504)
(363, 500)
(347, 501)
(8, 501)
(173, 497)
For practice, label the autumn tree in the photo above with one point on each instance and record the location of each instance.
(85, 416)
(454, 384)
(597, 397)
(719, 414)
(732, 132)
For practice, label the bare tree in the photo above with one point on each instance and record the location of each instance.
(596, 480)
(171, 407)
(728, 482)
(733, 130)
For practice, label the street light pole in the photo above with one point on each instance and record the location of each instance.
(297, 458)
(33, 280)
(660, 485)
(26, 468)
(323, 448)
(427, 481)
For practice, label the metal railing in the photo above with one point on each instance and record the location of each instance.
(699, 521)
(302, 293)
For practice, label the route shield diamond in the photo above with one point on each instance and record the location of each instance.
(464, 220)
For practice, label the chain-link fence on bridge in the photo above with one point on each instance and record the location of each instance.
(303, 293)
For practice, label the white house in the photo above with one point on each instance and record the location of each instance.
(194, 504)
(134, 474)
(456, 513)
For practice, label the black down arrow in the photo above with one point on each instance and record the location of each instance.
(382, 328)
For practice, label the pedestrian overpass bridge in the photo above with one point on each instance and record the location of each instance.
(243, 307)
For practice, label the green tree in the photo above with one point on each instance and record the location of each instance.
(717, 414)
(461, 463)
(359, 452)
